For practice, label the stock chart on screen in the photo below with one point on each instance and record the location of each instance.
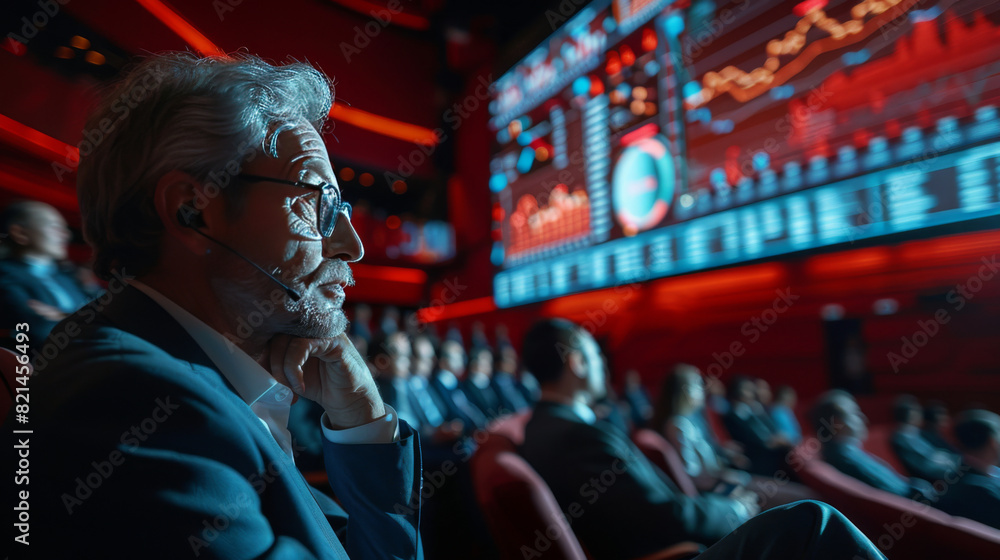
(648, 139)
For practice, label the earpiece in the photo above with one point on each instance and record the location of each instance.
(187, 216)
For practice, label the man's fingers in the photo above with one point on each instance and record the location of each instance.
(297, 353)
(278, 347)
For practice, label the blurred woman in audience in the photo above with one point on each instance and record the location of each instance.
(677, 418)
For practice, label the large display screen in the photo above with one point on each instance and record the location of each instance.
(651, 138)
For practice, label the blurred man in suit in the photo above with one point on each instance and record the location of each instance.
(937, 424)
(976, 493)
(427, 401)
(33, 287)
(918, 456)
(842, 428)
(165, 418)
(391, 359)
(624, 507)
(504, 380)
(478, 383)
(447, 382)
(749, 424)
(637, 397)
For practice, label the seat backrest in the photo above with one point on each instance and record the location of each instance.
(511, 426)
(900, 527)
(716, 424)
(8, 370)
(661, 453)
(523, 515)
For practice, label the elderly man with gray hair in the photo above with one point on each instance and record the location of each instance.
(160, 430)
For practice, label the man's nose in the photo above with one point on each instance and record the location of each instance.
(344, 243)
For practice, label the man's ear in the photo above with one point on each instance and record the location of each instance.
(182, 207)
(18, 234)
(576, 363)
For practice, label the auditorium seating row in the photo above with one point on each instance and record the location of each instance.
(519, 507)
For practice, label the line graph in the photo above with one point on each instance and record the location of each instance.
(744, 86)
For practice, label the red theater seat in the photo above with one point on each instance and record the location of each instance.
(523, 515)
(511, 426)
(659, 451)
(900, 527)
(521, 511)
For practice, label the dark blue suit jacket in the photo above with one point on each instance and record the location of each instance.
(975, 495)
(18, 285)
(920, 458)
(630, 507)
(141, 449)
(848, 457)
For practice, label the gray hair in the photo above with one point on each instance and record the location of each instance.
(177, 111)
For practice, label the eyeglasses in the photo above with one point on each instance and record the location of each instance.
(328, 208)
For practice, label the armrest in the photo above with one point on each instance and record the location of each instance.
(680, 551)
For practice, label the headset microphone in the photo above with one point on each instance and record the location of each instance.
(194, 221)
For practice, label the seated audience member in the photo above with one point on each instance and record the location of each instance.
(638, 400)
(33, 287)
(431, 407)
(749, 424)
(918, 456)
(446, 382)
(842, 428)
(681, 402)
(682, 398)
(504, 381)
(976, 494)
(937, 424)
(391, 360)
(763, 391)
(360, 326)
(167, 386)
(477, 384)
(783, 414)
(629, 507)
(530, 388)
(717, 401)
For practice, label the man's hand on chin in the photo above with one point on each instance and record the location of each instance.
(330, 372)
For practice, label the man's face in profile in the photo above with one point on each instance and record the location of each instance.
(595, 365)
(44, 233)
(853, 419)
(277, 228)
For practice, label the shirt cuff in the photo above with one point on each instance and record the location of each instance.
(379, 430)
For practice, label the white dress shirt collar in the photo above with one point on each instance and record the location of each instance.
(269, 400)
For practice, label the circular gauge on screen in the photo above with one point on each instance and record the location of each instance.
(643, 184)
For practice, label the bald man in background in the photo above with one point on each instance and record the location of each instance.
(34, 288)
